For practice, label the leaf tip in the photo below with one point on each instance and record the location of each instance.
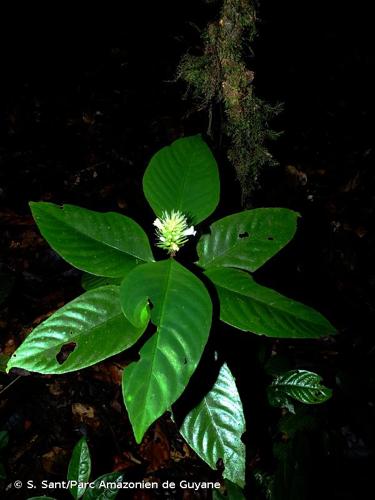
(33, 206)
(138, 436)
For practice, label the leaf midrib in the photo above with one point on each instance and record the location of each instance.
(278, 308)
(214, 425)
(220, 230)
(74, 336)
(157, 340)
(90, 237)
(234, 246)
(219, 255)
(77, 336)
(297, 386)
(184, 177)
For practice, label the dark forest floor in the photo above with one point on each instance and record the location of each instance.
(79, 126)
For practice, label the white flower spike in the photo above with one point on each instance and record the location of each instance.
(172, 231)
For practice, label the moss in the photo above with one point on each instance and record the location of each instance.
(221, 77)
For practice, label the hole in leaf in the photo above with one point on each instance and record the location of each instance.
(244, 235)
(270, 238)
(65, 352)
(185, 361)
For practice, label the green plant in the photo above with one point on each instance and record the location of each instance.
(78, 478)
(129, 292)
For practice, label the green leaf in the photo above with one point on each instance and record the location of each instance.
(181, 310)
(104, 244)
(93, 321)
(301, 385)
(214, 428)
(247, 239)
(90, 281)
(79, 469)
(183, 176)
(232, 492)
(251, 307)
(100, 491)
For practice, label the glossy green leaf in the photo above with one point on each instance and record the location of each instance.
(90, 281)
(79, 468)
(104, 244)
(181, 309)
(232, 492)
(214, 428)
(251, 307)
(94, 322)
(183, 176)
(248, 239)
(104, 487)
(302, 385)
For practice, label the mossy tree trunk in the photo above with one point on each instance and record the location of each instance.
(220, 79)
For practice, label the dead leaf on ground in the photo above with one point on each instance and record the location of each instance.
(125, 460)
(295, 176)
(352, 184)
(8, 217)
(56, 388)
(186, 452)
(54, 461)
(108, 372)
(155, 449)
(116, 405)
(361, 231)
(9, 347)
(86, 414)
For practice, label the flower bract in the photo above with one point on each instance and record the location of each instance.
(172, 231)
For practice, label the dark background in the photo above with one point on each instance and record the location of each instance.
(78, 124)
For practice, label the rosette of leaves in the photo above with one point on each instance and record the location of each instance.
(128, 292)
